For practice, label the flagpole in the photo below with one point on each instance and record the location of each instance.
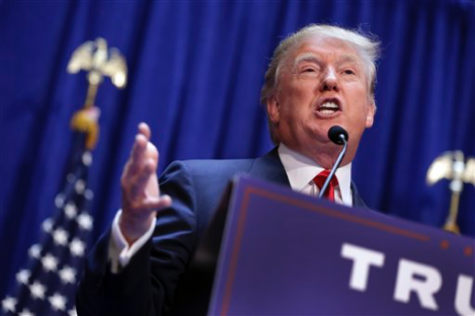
(46, 285)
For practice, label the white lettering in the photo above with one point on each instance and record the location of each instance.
(425, 289)
(362, 258)
(463, 294)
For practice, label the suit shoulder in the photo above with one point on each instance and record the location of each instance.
(213, 167)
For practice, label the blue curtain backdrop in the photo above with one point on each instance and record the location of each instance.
(195, 73)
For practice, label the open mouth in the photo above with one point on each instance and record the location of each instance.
(329, 108)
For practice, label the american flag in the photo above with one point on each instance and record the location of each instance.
(47, 284)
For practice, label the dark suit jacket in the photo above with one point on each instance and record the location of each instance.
(147, 284)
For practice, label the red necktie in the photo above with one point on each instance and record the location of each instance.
(320, 180)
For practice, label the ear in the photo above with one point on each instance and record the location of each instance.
(370, 114)
(273, 109)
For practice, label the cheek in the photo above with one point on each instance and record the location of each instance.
(358, 97)
(362, 117)
(300, 88)
(296, 100)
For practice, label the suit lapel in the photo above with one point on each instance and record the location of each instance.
(269, 167)
(357, 200)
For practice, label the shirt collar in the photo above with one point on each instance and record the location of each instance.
(301, 170)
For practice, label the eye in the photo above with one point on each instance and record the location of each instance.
(348, 72)
(308, 69)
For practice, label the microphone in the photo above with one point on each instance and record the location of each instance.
(339, 136)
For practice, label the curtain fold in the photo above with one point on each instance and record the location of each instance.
(195, 73)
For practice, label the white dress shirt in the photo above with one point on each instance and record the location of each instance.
(300, 170)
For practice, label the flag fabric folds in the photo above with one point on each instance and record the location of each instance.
(47, 284)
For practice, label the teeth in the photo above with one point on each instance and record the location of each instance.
(329, 105)
(328, 108)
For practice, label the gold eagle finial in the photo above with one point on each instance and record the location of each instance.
(451, 165)
(95, 58)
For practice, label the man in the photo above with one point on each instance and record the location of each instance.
(319, 77)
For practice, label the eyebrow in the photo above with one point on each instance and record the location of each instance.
(349, 58)
(311, 57)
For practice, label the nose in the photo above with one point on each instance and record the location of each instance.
(329, 81)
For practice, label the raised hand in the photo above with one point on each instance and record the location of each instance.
(140, 188)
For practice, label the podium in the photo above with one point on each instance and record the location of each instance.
(272, 251)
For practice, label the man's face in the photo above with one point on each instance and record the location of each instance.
(321, 83)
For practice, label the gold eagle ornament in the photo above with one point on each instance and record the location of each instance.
(451, 165)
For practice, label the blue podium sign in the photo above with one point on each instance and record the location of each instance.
(284, 253)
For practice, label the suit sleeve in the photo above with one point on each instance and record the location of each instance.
(147, 284)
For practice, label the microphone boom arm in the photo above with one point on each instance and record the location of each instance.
(335, 166)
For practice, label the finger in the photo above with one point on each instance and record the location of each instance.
(139, 156)
(139, 148)
(127, 174)
(151, 151)
(136, 159)
(142, 177)
(157, 204)
(144, 129)
(130, 173)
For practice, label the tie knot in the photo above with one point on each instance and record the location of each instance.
(320, 179)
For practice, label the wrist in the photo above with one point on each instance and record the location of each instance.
(134, 226)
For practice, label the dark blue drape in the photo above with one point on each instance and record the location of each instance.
(195, 73)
